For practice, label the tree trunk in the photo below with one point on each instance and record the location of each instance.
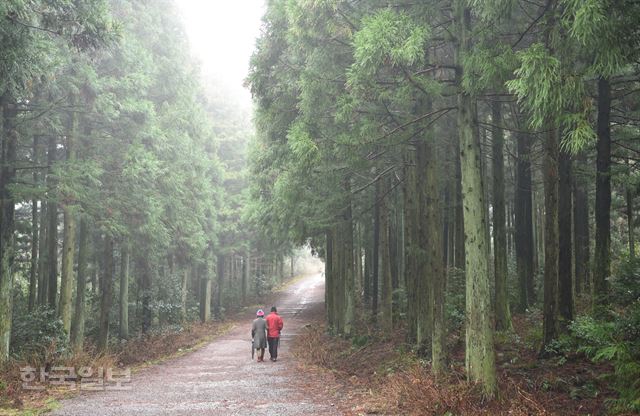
(43, 283)
(550, 308)
(69, 235)
(508, 226)
(77, 325)
(581, 230)
(503, 314)
(124, 290)
(280, 261)
(218, 294)
(480, 359)
(366, 290)
(393, 248)
(94, 274)
(338, 280)
(524, 223)
(459, 236)
(386, 294)
(348, 265)
(448, 220)
(357, 259)
(184, 292)
(205, 292)
(246, 267)
(485, 159)
(7, 222)
(33, 272)
(293, 265)
(106, 295)
(434, 266)
(540, 231)
(328, 279)
(602, 266)
(375, 278)
(630, 226)
(424, 282)
(52, 231)
(411, 243)
(195, 280)
(565, 255)
(146, 281)
(446, 224)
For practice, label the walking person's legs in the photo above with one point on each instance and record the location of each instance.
(276, 344)
(273, 347)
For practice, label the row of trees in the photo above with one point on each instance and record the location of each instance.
(409, 140)
(122, 177)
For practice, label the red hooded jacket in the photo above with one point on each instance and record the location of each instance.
(274, 325)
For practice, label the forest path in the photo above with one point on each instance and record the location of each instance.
(220, 378)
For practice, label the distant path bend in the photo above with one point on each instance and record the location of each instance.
(220, 378)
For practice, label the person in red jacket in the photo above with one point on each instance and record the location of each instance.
(274, 327)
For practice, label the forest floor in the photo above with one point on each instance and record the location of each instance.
(374, 374)
(219, 377)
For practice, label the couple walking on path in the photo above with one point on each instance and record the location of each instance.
(265, 331)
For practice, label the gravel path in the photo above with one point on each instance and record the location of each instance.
(220, 378)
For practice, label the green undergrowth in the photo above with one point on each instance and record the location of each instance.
(612, 336)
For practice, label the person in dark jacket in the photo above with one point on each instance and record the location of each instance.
(259, 334)
(274, 328)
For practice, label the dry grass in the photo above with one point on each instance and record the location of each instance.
(146, 348)
(383, 378)
(13, 396)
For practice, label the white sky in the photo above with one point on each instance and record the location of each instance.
(222, 34)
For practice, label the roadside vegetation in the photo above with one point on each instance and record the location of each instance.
(469, 172)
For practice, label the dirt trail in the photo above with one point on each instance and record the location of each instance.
(220, 378)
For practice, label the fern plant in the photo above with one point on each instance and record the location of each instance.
(615, 342)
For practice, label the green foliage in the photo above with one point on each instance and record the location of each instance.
(455, 299)
(625, 284)
(168, 312)
(487, 68)
(303, 148)
(32, 33)
(553, 95)
(539, 84)
(262, 283)
(605, 30)
(38, 335)
(399, 299)
(360, 341)
(617, 342)
(388, 37)
(345, 91)
(578, 132)
(160, 155)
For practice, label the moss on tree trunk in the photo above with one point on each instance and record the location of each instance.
(479, 352)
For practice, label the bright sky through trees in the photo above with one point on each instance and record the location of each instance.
(222, 34)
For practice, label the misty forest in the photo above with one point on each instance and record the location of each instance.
(439, 196)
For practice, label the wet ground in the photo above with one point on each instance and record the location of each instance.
(220, 378)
